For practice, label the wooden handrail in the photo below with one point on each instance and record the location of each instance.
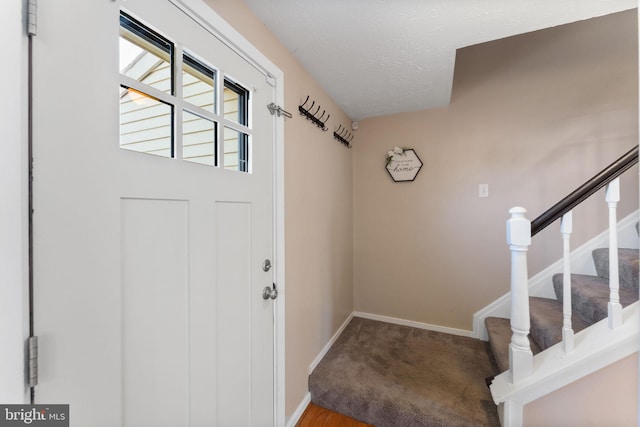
(580, 194)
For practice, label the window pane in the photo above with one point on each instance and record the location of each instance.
(144, 55)
(236, 150)
(236, 100)
(145, 123)
(198, 83)
(198, 139)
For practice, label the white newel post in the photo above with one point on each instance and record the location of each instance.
(519, 239)
(615, 309)
(566, 228)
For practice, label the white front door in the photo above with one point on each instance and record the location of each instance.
(153, 215)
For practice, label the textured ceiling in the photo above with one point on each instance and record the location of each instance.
(378, 57)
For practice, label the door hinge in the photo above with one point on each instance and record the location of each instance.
(32, 17)
(32, 369)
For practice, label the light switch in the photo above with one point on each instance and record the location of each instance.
(483, 190)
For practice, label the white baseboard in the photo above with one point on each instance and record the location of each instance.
(413, 324)
(295, 417)
(326, 348)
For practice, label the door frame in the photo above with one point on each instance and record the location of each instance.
(213, 22)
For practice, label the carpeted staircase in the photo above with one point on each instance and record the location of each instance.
(395, 376)
(589, 299)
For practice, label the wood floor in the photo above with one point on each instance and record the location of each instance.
(316, 416)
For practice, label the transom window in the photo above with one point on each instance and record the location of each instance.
(170, 105)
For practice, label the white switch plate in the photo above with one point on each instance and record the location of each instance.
(483, 190)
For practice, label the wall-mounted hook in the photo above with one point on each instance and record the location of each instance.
(343, 135)
(319, 121)
(305, 101)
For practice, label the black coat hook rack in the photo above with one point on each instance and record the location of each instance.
(316, 118)
(343, 135)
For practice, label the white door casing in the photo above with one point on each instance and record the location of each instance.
(128, 245)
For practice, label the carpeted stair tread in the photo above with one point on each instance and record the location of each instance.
(391, 375)
(590, 296)
(546, 321)
(628, 265)
(499, 330)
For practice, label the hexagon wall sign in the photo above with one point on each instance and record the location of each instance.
(403, 165)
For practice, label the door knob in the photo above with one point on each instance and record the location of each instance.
(270, 292)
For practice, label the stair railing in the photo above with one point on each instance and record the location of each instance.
(519, 233)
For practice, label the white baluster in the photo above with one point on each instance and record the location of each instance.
(566, 228)
(615, 309)
(519, 239)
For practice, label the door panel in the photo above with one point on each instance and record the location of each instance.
(148, 278)
(233, 223)
(155, 312)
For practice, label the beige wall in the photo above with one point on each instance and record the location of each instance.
(533, 116)
(318, 210)
(605, 398)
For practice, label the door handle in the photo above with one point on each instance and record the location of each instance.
(270, 292)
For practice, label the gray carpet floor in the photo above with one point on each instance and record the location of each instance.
(397, 376)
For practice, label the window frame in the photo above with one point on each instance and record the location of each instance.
(243, 120)
(179, 56)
